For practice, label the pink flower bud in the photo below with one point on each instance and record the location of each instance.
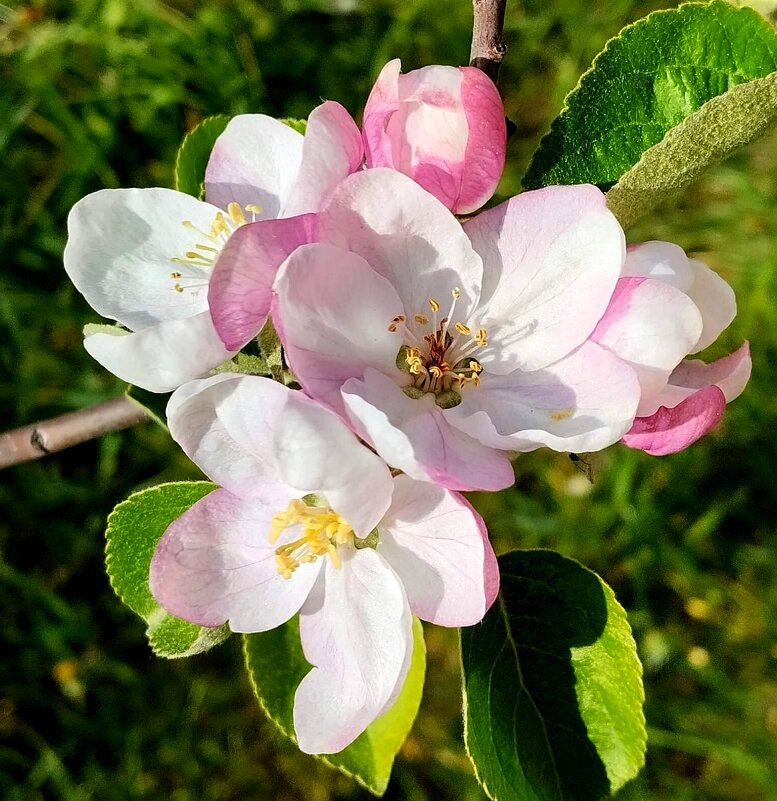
(442, 126)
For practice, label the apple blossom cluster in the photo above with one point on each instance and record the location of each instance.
(428, 352)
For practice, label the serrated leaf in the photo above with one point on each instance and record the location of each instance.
(735, 118)
(300, 126)
(134, 528)
(649, 79)
(154, 403)
(552, 685)
(276, 666)
(193, 155)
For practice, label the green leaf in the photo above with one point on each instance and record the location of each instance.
(300, 126)
(193, 155)
(276, 666)
(735, 118)
(552, 685)
(153, 402)
(134, 528)
(650, 78)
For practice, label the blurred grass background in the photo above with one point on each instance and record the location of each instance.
(97, 93)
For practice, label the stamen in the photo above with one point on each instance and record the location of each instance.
(463, 329)
(435, 306)
(254, 209)
(421, 319)
(236, 213)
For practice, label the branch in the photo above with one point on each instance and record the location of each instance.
(49, 436)
(488, 47)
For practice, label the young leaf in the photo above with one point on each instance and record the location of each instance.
(552, 685)
(300, 126)
(735, 118)
(649, 79)
(134, 528)
(276, 666)
(193, 155)
(153, 402)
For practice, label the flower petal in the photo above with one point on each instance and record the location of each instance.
(671, 430)
(251, 434)
(332, 312)
(356, 631)
(582, 403)
(119, 253)
(382, 102)
(215, 565)
(438, 546)
(240, 290)
(332, 150)
(484, 158)
(652, 326)
(162, 357)
(405, 235)
(716, 302)
(662, 260)
(254, 161)
(551, 260)
(414, 435)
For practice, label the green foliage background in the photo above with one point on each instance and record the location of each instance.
(98, 93)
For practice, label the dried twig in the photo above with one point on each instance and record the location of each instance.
(49, 436)
(488, 47)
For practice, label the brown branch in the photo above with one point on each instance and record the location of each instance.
(49, 436)
(488, 47)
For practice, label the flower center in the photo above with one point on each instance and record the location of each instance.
(439, 355)
(211, 242)
(323, 531)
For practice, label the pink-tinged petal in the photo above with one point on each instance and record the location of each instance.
(716, 302)
(356, 631)
(652, 326)
(253, 435)
(414, 435)
(332, 312)
(582, 403)
(671, 430)
(484, 158)
(332, 150)
(551, 259)
(664, 261)
(255, 161)
(382, 102)
(240, 290)
(730, 373)
(215, 565)
(405, 235)
(121, 243)
(162, 357)
(434, 541)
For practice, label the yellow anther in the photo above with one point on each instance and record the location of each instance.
(253, 208)
(236, 213)
(421, 319)
(392, 328)
(434, 305)
(463, 329)
(481, 337)
(456, 293)
(435, 371)
(475, 367)
(175, 276)
(178, 288)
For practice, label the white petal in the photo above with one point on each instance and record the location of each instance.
(255, 161)
(162, 357)
(119, 253)
(439, 548)
(356, 631)
(716, 301)
(662, 260)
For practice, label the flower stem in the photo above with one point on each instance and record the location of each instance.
(488, 47)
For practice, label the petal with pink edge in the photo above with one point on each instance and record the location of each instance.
(332, 150)
(551, 259)
(162, 357)
(438, 547)
(484, 158)
(254, 161)
(356, 631)
(582, 403)
(716, 302)
(382, 102)
(405, 235)
(251, 434)
(652, 326)
(415, 436)
(671, 430)
(240, 290)
(121, 243)
(332, 312)
(215, 565)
